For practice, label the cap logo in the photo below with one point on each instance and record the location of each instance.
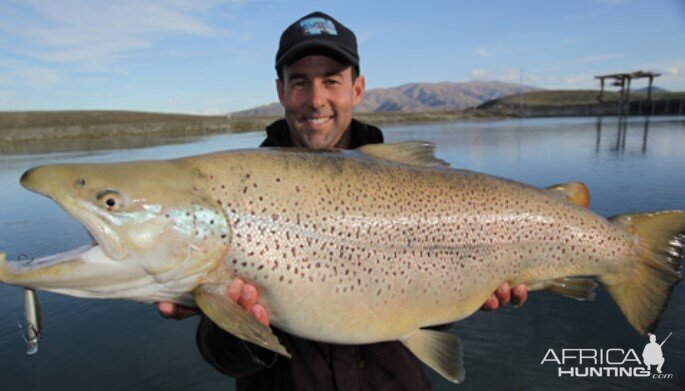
(317, 26)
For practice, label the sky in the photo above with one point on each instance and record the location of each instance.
(216, 57)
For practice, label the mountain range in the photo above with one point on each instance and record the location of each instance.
(418, 97)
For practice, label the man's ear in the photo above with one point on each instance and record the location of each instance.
(358, 90)
(279, 89)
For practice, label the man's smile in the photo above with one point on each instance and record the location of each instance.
(317, 121)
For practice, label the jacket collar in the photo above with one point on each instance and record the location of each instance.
(278, 134)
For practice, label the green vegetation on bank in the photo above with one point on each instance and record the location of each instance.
(46, 119)
(29, 126)
(555, 103)
(572, 97)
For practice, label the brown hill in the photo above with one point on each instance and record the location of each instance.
(419, 97)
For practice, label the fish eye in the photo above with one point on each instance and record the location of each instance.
(110, 200)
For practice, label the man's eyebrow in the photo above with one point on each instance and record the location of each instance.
(297, 76)
(335, 72)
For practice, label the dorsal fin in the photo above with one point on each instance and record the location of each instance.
(573, 192)
(414, 153)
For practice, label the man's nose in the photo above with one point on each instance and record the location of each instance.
(317, 95)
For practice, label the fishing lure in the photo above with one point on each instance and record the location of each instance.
(33, 321)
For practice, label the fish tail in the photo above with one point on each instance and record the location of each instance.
(643, 295)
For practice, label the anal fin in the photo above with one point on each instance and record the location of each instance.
(574, 287)
(233, 318)
(440, 350)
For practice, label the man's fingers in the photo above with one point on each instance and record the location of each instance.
(519, 294)
(248, 297)
(235, 289)
(259, 312)
(174, 311)
(503, 294)
(165, 309)
(490, 304)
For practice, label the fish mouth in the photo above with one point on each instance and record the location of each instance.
(90, 270)
(85, 271)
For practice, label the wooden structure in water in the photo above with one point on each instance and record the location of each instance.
(662, 104)
(623, 80)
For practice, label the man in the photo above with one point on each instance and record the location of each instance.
(318, 85)
(652, 354)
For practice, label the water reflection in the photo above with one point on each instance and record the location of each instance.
(621, 134)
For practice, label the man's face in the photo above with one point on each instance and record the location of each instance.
(318, 95)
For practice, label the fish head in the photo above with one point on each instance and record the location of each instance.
(147, 216)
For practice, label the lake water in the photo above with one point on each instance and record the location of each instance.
(636, 165)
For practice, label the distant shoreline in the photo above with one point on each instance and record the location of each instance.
(33, 126)
(22, 129)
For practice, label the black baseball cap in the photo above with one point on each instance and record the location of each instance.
(317, 33)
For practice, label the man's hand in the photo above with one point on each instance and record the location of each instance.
(239, 291)
(247, 296)
(504, 294)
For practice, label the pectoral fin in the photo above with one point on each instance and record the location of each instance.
(235, 319)
(439, 350)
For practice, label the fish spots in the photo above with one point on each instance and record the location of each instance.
(386, 239)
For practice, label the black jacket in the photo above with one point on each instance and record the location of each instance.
(314, 366)
(278, 135)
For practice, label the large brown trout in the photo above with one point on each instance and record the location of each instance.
(348, 247)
